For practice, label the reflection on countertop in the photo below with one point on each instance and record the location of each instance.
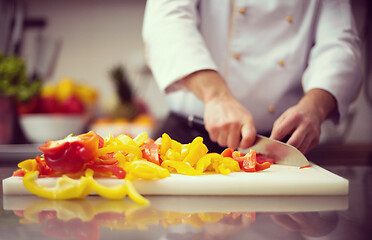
(208, 216)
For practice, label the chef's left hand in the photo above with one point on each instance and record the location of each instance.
(302, 121)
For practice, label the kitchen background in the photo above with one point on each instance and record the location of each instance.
(85, 39)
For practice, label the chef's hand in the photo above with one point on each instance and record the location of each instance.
(302, 121)
(226, 120)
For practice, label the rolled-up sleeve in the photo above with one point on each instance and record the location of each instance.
(173, 45)
(335, 59)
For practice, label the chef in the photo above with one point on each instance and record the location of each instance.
(278, 68)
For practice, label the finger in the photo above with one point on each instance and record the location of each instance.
(222, 138)
(248, 134)
(284, 126)
(233, 138)
(298, 139)
(309, 143)
(313, 144)
(213, 132)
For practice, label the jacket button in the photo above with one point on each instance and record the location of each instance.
(289, 19)
(241, 10)
(236, 56)
(271, 108)
(281, 63)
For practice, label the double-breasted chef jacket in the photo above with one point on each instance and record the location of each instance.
(269, 52)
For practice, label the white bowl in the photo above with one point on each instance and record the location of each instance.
(116, 129)
(39, 128)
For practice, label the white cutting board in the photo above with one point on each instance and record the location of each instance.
(187, 204)
(278, 180)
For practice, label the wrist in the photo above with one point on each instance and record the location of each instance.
(207, 85)
(321, 100)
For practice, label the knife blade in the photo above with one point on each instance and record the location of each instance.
(282, 153)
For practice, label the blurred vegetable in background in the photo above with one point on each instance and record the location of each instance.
(66, 96)
(14, 81)
(128, 114)
(126, 108)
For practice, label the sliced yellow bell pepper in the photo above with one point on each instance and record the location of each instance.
(205, 161)
(114, 193)
(28, 165)
(181, 167)
(124, 139)
(166, 143)
(172, 155)
(133, 194)
(122, 147)
(226, 166)
(108, 140)
(231, 164)
(141, 138)
(146, 170)
(185, 150)
(66, 188)
(196, 151)
(176, 146)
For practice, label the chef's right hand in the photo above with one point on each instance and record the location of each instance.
(226, 120)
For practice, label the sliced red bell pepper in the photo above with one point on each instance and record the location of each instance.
(227, 152)
(261, 158)
(108, 158)
(43, 168)
(150, 152)
(19, 173)
(237, 156)
(249, 161)
(262, 166)
(108, 170)
(70, 154)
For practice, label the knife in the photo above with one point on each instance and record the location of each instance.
(282, 153)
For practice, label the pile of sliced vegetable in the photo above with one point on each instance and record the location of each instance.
(77, 161)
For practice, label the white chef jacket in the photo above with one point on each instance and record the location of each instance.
(269, 52)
